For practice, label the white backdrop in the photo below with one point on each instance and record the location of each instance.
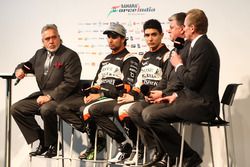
(81, 24)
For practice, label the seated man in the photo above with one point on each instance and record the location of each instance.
(167, 84)
(57, 70)
(198, 101)
(151, 70)
(120, 64)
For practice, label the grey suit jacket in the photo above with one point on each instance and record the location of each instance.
(63, 76)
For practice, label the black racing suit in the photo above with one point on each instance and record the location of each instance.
(152, 67)
(124, 66)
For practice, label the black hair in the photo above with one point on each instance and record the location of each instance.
(152, 23)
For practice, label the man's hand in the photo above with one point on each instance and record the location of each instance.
(43, 99)
(155, 94)
(125, 98)
(166, 99)
(20, 73)
(91, 98)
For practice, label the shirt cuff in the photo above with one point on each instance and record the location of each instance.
(175, 94)
(101, 94)
(178, 65)
(50, 98)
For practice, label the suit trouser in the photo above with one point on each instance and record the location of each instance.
(135, 114)
(159, 116)
(70, 111)
(24, 112)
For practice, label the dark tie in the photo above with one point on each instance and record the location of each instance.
(48, 62)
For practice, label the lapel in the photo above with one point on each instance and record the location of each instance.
(194, 49)
(40, 69)
(189, 54)
(183, 53)
(169, 69)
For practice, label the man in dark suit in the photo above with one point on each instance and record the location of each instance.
(57, 70)
(198, 101)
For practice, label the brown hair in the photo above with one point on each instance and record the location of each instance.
(199, 19)
(179, 17)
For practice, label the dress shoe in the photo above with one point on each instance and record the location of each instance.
(39, 150)
(156, 157)
(52, 151)
(193, 161)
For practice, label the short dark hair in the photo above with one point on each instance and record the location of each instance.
(179, 17)
(152, 23)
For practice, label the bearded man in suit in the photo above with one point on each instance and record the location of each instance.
(57, 70)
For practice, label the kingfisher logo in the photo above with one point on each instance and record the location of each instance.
(131, 9)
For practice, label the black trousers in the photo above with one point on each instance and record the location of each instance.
(70, 111)
(128, 125)
(135, 114)
(24, 112)
(155, 121)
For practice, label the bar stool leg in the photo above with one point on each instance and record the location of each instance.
(95, 147)
(71, 144)
(226, 143)
(179, 130)
(137, 148)
(233, 163)
(60, 139)
(62, 143)
(182, 144)
(31, 146)
(144, 155)
(211, 145)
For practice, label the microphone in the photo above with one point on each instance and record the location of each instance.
(179, 44)
(88, 89)
(27, 67)
(122, 87)
(85, 89)
(145, 90)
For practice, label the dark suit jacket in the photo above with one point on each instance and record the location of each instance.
(63, 76)
(170, 83)
(200, 74)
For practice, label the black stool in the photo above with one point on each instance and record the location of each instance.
(227, 99)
